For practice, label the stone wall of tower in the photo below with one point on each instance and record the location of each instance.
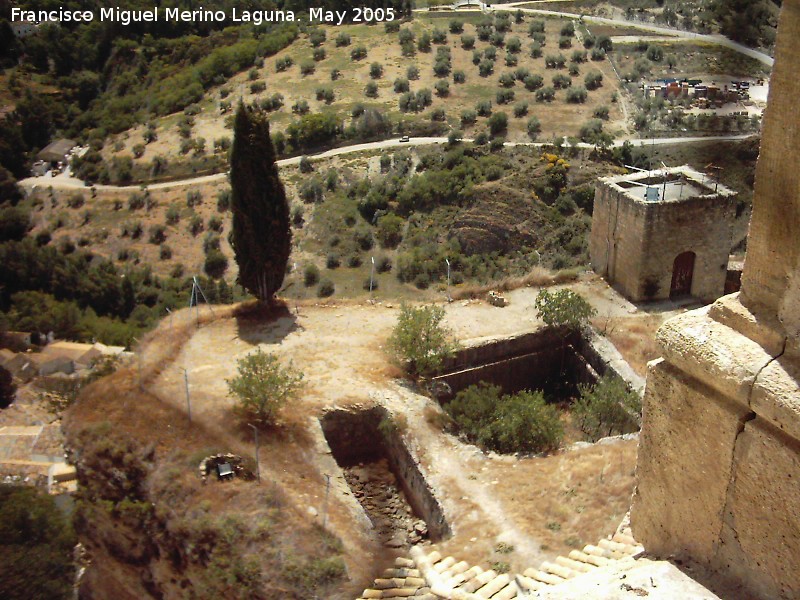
(633, 243)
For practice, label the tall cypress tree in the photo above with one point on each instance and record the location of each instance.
(261, 235)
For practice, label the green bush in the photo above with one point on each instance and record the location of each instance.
(216, 264)
(310, 275)
(157, 234)
(326, 289)
(390, 230)
(521, 422)
(564, 307)
(383, 264)
(607, 408)
(262, 387)
(332, 261)
(37, 544)
(420, 341)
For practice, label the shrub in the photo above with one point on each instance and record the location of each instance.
(534, 127)
(343, 39)
(564, 307)
(456, 26)
(216, 264)
(326, 289)
(262, 387)
(439, 36)
(604, 43)
(363, 237)
(194, 198)
(565, 42)
(536, 27)
(521, 422)
(307, 67)
(305, 165)
(383, 264)
(467, 42)
(520, 109)
(223, 200)
(376, 70)
(562, 81)
(486, 68)
(555, 61)
(354, 261)
(424, 42)
(459, 76)
(545, 94)
(195, 225)
(468, 117)
(371, 90)
(593, 80)
(210, 242)
(390, 230)
(577, 95)
(533, 82)
(655, 53)
(310, 275)
(442, 88)
(601, 112)
(507, 80)
(401, 85)
(484, 108)
(607, 408)
(536, 50)
(317, 37)
(358, 53)
(325, 94)
(215, 223)
(173, 214)
(332, 261)
(412, 72)
(504, 96)
(257, 87)
(318, 54)
(420, 341)
(598, 54)
(157, 234)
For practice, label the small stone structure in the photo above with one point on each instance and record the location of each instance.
(209, 464)
(663, 234)
(718, 473)
(496, 299)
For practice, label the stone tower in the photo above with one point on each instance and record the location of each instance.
(664, 234)
(719, 453)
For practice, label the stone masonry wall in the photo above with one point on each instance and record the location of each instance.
(633, 243)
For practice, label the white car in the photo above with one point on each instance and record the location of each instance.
(404, 138)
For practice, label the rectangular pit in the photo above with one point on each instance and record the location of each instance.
(357, 438)
(553, 360)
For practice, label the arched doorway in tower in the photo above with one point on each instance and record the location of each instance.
(682, 271)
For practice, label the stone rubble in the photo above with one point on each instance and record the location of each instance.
(376, 488)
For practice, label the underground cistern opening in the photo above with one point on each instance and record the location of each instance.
(384, 477)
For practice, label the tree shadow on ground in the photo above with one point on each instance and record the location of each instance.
(262, 324)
